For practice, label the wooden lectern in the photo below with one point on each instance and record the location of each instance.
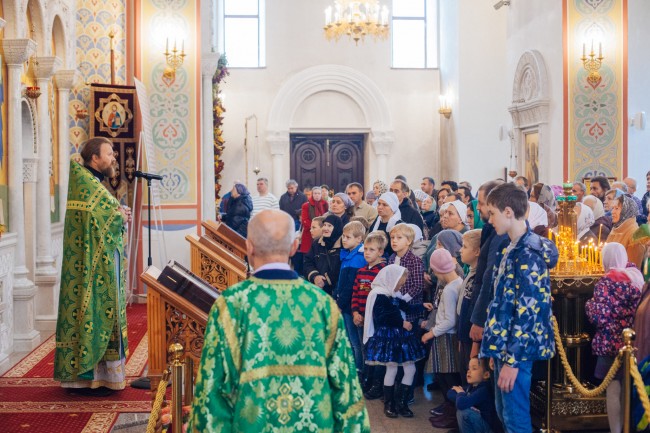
(214, 263)
(227, 237)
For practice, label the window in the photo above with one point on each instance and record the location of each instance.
(414, 34)
(244, 33)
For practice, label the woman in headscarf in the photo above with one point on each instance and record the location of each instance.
(419, 246)
(602, 223)
(609, 198)
(474, 220)
(584, 222)
(388, 215)
(315, 206)
(240, 207)
(322, 262)
(624, 212)
(342, 206)
(616, 296)
(378, 188)
(543, 195)
(537, 219)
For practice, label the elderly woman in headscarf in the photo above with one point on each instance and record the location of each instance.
(342, 206)
(612, 308)
(602, 222)
(388, 215)
(610, 196)
(240, 207)
(624, 212)
(543, 195)
(537, 219)
(378, 187)
(585, 219)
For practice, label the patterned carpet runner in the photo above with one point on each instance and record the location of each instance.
(31, 401)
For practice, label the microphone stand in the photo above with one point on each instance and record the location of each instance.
(149, 260)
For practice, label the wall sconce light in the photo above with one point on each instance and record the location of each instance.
(33, 92)
(175, 57)
(592, 64)
(445, 106)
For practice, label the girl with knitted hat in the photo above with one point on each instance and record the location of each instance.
(444, 360)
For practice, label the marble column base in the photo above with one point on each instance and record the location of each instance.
(26, 338)
(46, 301)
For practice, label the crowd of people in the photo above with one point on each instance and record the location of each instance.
(445, 281)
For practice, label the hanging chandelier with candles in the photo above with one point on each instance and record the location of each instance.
(356, 19)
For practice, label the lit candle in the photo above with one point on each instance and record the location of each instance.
(600, 49)
(328, 15)
(584, 52)
(600, 232)
(384, 15)
(167, 46)
(183, 46)
(592, 47)
(174, 45)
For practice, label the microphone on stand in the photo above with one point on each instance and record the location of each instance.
(148, 176)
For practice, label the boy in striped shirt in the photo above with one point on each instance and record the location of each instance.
(373, 252)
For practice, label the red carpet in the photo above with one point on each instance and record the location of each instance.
(31, 401)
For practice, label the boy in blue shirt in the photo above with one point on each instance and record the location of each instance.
(351, 261)
(475, 410)
(518, 328)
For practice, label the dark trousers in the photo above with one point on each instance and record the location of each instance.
(447, 381)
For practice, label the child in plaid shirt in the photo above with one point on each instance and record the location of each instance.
(401, 240)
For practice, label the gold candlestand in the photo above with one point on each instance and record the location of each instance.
(555, 404)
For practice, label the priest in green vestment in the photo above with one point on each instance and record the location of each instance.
(276, 357)
(91, 336)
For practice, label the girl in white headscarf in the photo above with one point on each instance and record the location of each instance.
(616, 296)
(537, 219)
(388, 215)
(602, 223)
(390, 340)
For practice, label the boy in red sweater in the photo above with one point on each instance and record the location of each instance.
(373, 251)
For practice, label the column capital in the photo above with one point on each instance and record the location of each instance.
(46, 67)
(278, 142)
(382, 141)
(65, 78)
(17, 51)
(209, 63)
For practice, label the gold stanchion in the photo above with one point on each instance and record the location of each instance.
(188, 382)
(627, 349)
(177, 351)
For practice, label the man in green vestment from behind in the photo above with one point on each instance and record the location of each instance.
(276, 357)
(91, 337)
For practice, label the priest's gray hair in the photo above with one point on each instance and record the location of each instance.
(272, 233)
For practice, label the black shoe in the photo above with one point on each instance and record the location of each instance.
(142, 383)
(433, 386)
(402, 398)
(92, 392)
(390, 409)
(376, 391)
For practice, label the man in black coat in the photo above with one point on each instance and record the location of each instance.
(292, 200)
(410, 214)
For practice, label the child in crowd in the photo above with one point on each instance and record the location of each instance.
(316, 229)
(469, 254)
(419, 246)
(444, 359)
(611, 310)
(390, 340)
(518, 327)
(401, 240)
(373, 252)
(475, 410)
(322, 263)
(352, 259)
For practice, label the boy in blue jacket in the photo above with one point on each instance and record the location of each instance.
(351, 261)
(518, 328)
(475, 410)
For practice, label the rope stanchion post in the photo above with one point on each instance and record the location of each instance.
(628, 355)
(157, 404)
(177, 352)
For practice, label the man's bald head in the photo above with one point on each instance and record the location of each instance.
(271, 234)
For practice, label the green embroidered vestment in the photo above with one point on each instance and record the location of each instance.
(276, 358)
(88, 326)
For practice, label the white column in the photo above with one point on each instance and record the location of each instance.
(46, 273)
(209, 62)
(64, 81)
(278, 142)
(382, 143)
(16, 52)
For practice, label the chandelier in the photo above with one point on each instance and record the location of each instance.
(356, 19)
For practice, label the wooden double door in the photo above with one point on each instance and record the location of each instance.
(334, 160)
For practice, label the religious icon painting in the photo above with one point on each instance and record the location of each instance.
(112, 107)
(531, 144)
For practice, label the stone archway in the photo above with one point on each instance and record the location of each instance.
(530, 115)
(328, 78)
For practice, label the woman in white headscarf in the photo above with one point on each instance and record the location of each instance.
(419, 246)
(584, 223)
(388, 214)
(537, 219)
(602, 223)
(389, 339)
(612, 309)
